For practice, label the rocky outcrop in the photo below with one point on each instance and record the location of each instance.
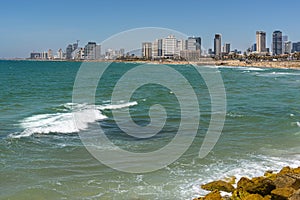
(284, 185)
(218, 185)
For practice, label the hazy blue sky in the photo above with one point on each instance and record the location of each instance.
(39, 25)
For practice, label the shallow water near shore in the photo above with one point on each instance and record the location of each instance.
(42, 156)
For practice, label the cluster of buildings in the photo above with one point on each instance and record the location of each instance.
(280, 44)
(172, 48)
(91, 51)
(220, 51)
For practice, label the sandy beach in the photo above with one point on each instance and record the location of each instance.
(265, 64)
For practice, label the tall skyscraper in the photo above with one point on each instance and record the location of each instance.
(261, 41)
(277, 42)
(147, 50)
(217, 45)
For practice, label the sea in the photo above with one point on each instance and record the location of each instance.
(42, 155)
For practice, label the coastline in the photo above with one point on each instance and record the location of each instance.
(283, 185)
(263, 64)
(295, 64)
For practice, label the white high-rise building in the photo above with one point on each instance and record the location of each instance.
(285, 39)
(147, 50)
(98, 52)
(50, 54)
(261, 42)
(287, 47)
(157, 48)
(181, 45)
(60, 54)
(193, 43)
(169, 46)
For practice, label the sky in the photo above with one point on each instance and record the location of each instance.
(36, 25)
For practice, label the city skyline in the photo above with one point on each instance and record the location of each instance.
(32, 26)
(168, 47)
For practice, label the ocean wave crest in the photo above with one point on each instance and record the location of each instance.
(63, 122)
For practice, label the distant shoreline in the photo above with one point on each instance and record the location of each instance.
(295, 64)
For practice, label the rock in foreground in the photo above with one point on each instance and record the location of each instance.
(284, 185)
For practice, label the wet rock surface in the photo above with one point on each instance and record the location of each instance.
(284, 185)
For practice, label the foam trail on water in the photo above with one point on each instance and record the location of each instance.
(117, 106)
(63, 122)
(243, 68)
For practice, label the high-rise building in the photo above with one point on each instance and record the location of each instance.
(217, 46)
(122, 52)
(180, 46)
(227, 48)
(89, 51)
(253, 48)
(191, 49)
(169, 46)
(285, 39)
(60, 54)
(277, 43)
(69, 51)
(157, 47)
(34, 55)
(261, 41)
(92, 51)
(50, 54)
(44, 55)
(98, 52)
(287, 47)
(193, 43)
(296, 47)
(147, 50)
(79, 54)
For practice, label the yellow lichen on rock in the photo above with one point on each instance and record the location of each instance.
(284, 185)
(218, 185)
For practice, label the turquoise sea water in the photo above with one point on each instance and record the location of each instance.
(42, 156)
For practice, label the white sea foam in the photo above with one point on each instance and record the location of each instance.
(116, 106)
(279, 74)
(243, 68)
(63, 122)
(255, 166)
